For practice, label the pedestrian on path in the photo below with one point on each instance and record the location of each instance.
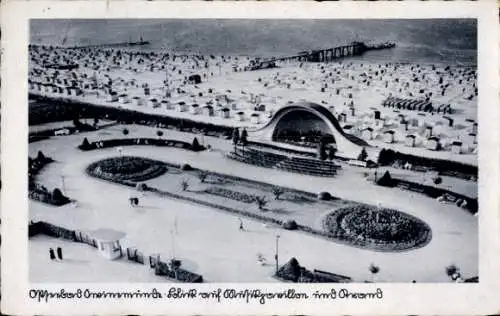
(52, 254)
(59, 253)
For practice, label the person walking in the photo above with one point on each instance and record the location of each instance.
(59, 253)
(52, 254)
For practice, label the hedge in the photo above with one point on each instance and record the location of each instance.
(137, 142)
(434, 192)
(51, 230)
(389, 156)
(38, 192)
(53, 110)
(179, 274)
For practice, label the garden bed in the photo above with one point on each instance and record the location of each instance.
(378, 229)
(304, 208)
(126, 168)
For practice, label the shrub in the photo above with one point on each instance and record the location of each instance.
(58, 197)
(290, 225)
(125, 131)
(40, 156)
(186, 167)
(261, 202)
(363, 155)
(85, 144)
(184, 185)
(244, 137)
(290, 271)
(236, 137)
(451, 270)
(277, 192)
(202, 175)
(195, 145)
(141, 186)
(374, 269)
(386, 180)
(159, 133)
(438, 180)
(324, 196)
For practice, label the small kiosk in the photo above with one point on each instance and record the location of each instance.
(108, 242)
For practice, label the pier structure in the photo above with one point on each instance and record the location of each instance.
(329, 54)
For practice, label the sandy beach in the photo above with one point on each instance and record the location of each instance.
(222, 92)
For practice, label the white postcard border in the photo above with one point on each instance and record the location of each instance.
(479, 298)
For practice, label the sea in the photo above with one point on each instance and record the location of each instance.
(426, 41)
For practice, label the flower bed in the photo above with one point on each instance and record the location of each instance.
(378, 229)
(127, 168)
(230, 194)
(295, 195)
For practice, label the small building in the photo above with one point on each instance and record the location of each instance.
(225, 112)
(404, 126)
(456, 147)
(73, 91)
(449, 120)
(182, 106)
(473, 129)
(472, 138)
(413, 122)
(240, 116)
(255, 118)
(389, 136)
(379, 122)
(195, 109)
(194, 79)
(428, 132)
(208, 110)
(342, 117)
(108, 242)
(123, 99)
(401, 118)
(112, 97)
(421, 121)
(433, 143)
(164, 104)
(260, 108)
(410, 140)
(153, 103)
(136, 101)
(367, 133)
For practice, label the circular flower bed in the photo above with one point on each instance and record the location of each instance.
(378, 229)
(127, 168)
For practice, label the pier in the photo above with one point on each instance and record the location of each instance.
(329, 54)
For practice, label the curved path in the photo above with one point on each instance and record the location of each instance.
(213, 240)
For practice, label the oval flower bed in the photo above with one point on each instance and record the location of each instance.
(379, 229)
(127, 168)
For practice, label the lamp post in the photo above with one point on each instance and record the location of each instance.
(62, 184)
(276, 254)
